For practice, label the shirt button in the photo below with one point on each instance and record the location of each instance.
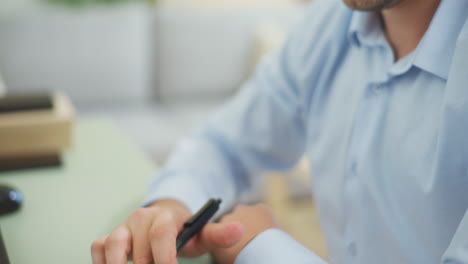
(378, 88)
(353, 167)
(352, 249)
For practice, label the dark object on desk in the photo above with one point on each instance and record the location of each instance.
(25, 102)
(29, 162)
(3, 253)
(10, 200)
(196, 223)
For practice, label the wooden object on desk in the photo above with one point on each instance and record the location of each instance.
(101, 183)
(38, 132)
(8, 163)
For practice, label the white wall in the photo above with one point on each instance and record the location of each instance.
(8, 6)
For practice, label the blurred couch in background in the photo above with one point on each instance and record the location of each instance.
(156, 71)
(129, 52)
(206, 53)
(97, 56)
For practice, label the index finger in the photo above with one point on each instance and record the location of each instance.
(162, 236)
(118, 246)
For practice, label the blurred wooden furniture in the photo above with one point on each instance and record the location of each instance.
(34, 137)
(37, 131)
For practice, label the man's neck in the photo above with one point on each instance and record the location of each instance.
(406, 23)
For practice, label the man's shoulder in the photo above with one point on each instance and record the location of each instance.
(329, 12)
(323, 26)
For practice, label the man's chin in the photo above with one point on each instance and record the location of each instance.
(371, 5)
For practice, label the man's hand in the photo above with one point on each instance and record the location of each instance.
(255, 219)
(150, 235)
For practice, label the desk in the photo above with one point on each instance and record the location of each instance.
(101, 182)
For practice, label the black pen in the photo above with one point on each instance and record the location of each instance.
(196, 222)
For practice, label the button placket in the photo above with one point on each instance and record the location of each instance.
(352, 181)
(378, 88)
(353, 168)
(352, 249)
(350, 191)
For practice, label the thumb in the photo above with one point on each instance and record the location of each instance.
(223, 235)
(212, 236)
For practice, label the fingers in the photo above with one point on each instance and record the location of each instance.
(139, 224)
(162, 236)
(214, 235)
(98, 251)
(118, 246)
(151, 234)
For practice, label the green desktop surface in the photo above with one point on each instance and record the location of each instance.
(102, 180)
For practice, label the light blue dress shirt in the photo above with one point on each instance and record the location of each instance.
(386, 141)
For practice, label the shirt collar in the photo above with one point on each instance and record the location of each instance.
(366, 29)
(434, 52)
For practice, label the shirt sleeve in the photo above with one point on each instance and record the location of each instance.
(274, 246)
(263, 127)
(260, 129)
(457, 252)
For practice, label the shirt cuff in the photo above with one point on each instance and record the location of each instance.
(177, 188)
(274, 246)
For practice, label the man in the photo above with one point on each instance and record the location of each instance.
(377, 100)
